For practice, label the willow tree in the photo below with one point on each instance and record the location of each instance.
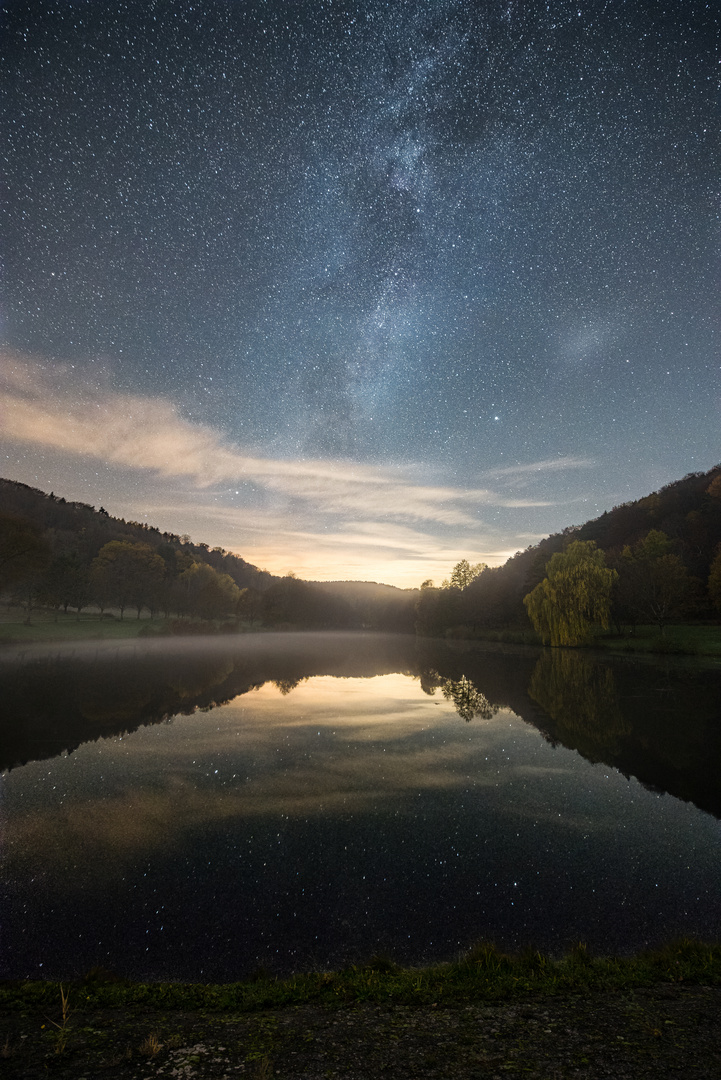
(574, 596)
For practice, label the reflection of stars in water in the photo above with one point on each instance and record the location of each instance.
(412, 835)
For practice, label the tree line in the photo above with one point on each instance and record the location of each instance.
(133, 576)
(653, 561)
(68, 556)
(125, 574)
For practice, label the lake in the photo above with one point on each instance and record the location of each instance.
(200, 809)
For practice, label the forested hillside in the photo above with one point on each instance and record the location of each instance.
(663, 553)
(68, 555)
(676, 530)
(79, 527)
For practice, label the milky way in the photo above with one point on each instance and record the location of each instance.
(449, 239)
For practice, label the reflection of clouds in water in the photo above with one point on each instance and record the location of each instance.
(330, 746)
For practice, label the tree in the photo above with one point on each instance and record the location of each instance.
(654, 584)
(714, 488)
(24, 555)
(436, 610)
(209, 595)
(463, 574)
(24, 551)
(574, 596)
(123, 573)
(170, 596)
(714, 581)
(66, 583)
(249, 605)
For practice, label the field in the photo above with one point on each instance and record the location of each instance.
(58, 626)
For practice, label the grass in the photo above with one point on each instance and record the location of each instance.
(151, 1045)
(485, 973)
(508, 636)
(91, 625)
(52, 626)
(681, 640)
(686, 639)
(62, 1032)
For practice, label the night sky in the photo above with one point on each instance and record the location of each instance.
(359, 289)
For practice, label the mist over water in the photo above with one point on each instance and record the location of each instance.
(298, 801)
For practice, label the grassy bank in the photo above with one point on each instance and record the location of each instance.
(57, 626)
(687, 639)
(649, 1017)
(684, 640)
(485, 974)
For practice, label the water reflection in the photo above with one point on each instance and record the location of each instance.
(580, 696)
(660, 722)
(301, 800)
(467, 698)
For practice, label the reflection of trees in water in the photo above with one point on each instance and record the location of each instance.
(286, 685)
(53, 702)
(109, 696)
(659, 723)
(469, 701)
(580, 695)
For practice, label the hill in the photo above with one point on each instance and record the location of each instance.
(687, 511)
(363, 590)
(170, 573)
(49, 552)
(79, 527)
(375, 606)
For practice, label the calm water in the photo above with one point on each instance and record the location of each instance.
(296, 801)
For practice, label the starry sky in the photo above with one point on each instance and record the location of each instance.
(357, 289)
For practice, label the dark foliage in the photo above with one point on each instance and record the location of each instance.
(71, 535)
(688, 512)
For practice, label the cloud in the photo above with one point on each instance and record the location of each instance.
(144, 433)
(70, 429)
(548, 465)
(332, 548)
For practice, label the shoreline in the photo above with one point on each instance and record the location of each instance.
(681, 639)
(655, 1015)
(484, 973)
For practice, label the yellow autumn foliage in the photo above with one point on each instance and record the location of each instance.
(574, 596)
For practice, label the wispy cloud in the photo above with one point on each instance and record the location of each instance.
(322, 518)
(327, 548)
(150, 434)
(557, 464)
